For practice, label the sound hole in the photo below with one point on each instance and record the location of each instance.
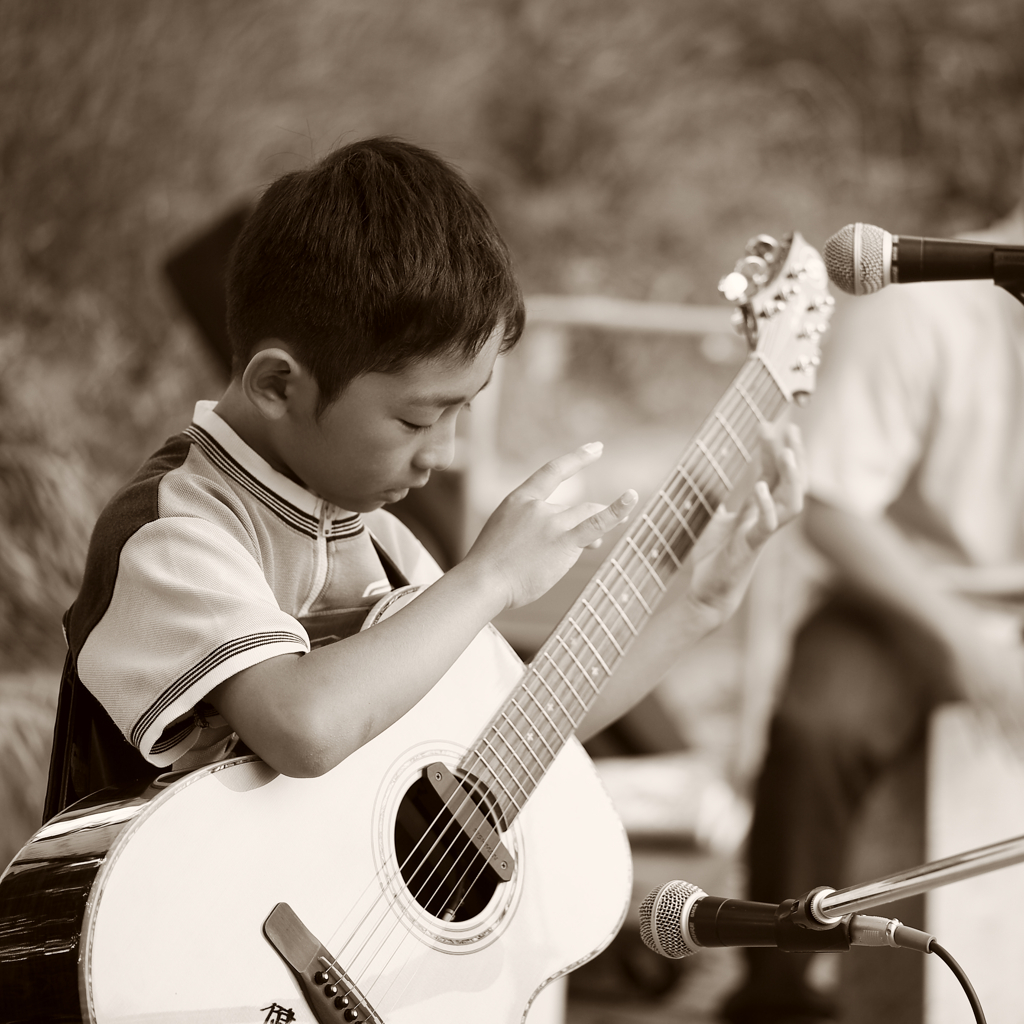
(444, 871)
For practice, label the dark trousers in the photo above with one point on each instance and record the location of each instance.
(857, 699)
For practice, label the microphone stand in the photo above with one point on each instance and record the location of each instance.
(834, 904)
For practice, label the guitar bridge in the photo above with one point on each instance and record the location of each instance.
(330, 993)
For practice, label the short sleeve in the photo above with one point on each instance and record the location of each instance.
(866, 425)
(190, 607)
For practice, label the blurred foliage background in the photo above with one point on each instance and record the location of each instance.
(627, 147)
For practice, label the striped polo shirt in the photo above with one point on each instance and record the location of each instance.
(210, 561)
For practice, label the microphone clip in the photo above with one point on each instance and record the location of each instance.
(797, 930)
(1008, 270)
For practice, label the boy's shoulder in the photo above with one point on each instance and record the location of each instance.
(137, 502)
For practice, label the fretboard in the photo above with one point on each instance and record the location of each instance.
(564, 679)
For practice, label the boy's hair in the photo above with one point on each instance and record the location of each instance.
(377, 255)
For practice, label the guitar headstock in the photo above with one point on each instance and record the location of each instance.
(783, 308)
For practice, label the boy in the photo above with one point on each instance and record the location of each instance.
(368, 300)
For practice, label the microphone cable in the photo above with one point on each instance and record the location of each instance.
(958, 972)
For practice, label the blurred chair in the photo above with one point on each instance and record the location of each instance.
(975, 797)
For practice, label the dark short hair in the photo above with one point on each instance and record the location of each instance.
(378, 255)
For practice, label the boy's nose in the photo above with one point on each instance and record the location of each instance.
(438, 451)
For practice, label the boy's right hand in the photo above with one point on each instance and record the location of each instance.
(529, 543)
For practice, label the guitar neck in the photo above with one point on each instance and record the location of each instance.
(564, 679)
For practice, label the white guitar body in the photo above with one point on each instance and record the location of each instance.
(166, 940)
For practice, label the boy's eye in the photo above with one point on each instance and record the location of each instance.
(416, 428)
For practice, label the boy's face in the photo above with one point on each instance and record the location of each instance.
(386, 432)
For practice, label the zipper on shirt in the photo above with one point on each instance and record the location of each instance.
(320, 562)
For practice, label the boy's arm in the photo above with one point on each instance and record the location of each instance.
(712, 582)
(303, 714)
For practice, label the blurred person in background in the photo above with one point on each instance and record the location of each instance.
(915, 454)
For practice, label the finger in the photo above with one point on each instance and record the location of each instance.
(792, 458)
(767, 517)
(795, 441)
(781, 465)
(791, 488)
(598, 524)
(549, 476)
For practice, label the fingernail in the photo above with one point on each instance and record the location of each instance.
(594, 448)
(629, 497)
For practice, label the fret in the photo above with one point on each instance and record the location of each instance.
(497, 734)
(668, 547)
(753, 407)
(552, 694)
(696, 490)
(565, 679)
(607, 632)
(721, 445)
(735, 437)
(511, 775)
(714, 464)
(625, 618)
(579, 664)
(497, 778)
(679, 515)
(543, 711)
(534, 728)
(647, 565)
(586, 639)
(629, 582)
(770, 372)
(526, 744)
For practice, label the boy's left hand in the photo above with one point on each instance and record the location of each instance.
(724, 556)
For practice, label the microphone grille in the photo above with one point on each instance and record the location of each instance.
(858, 258)
(661, 919)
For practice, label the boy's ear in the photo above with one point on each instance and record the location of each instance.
(274, 380)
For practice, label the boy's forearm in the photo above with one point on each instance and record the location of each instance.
(304, 714)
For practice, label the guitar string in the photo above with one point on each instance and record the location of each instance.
(660, 527)
(509, 719)
(512, 750)
(506, 716)
(511, 746)
(701, 487)
(598, 618)
(654, 520)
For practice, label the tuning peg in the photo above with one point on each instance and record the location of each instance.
(764, 247)
(755, 268)
(734, 287)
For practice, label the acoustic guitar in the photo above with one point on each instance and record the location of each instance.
(446, 871)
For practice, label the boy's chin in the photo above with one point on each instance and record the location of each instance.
(390, 497)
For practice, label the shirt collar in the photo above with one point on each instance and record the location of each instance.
(252, 463)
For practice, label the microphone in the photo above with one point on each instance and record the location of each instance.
(679, 918)
(861, 258)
